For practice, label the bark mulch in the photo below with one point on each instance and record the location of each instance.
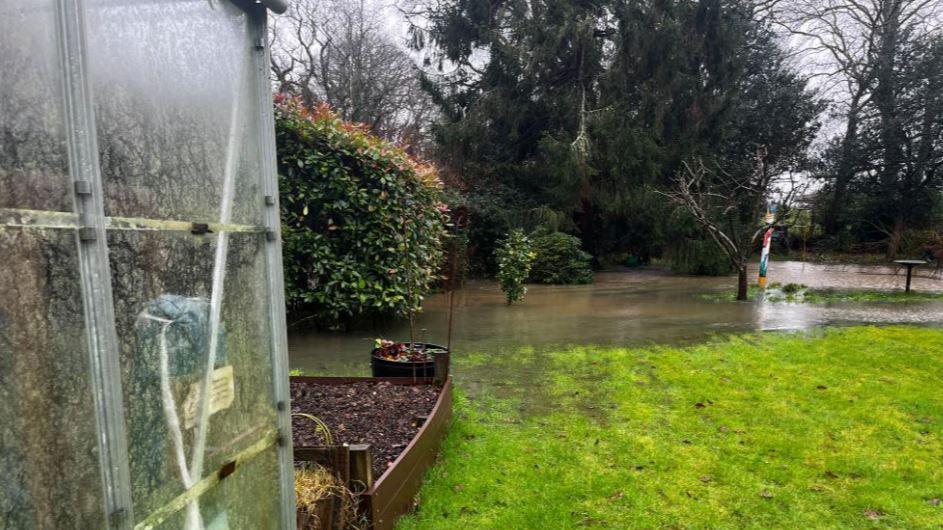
(380, 414)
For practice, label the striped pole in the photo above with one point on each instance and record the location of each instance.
(767, 239)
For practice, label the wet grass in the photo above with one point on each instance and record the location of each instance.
(838, 429)
(798, 293)
(819, 296)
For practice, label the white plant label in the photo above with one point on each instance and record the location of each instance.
(222, 394)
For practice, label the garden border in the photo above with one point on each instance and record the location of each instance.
(393, 493)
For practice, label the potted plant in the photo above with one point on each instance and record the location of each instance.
(420, 359)
(404, 359)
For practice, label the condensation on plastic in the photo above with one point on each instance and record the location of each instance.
(48, 454)
(171, 93)
(246, 499)
(146, 266)
(49, 464)
(176, 111)
(33, 160)
(243, 500)
(177, 117)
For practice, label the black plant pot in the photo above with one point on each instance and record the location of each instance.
(384, 368)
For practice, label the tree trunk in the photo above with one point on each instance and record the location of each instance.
(846, 168)
(897, 234)
(886, 103)
(588, 228)
(741, 283)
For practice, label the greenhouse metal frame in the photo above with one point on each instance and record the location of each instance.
(143, 354)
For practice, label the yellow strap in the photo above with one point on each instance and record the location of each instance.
(161, 514)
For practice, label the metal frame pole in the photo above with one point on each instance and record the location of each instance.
(269, 175)
(94, 266)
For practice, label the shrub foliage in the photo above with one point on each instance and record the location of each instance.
(560, 260)
(514, 256)
(699, 257)
(363, 224)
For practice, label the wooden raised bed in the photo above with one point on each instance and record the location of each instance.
(392, 494)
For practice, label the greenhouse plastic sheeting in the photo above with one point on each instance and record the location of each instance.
(143, 379)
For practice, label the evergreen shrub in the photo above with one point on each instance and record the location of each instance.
(560, 260)
(514, 257)
(363, 224)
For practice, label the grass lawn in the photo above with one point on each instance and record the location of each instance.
(796, 293)
(830, 295)
(838, 429)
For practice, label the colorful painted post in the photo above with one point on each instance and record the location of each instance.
(767, 239)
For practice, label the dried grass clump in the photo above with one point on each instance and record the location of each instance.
(316, 484)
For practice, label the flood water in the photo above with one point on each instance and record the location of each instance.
(631, 308)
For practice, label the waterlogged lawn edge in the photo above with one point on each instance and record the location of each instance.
(797, 293)
(834, 428)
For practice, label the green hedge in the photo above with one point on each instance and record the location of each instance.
(363, 224)
(560, 260)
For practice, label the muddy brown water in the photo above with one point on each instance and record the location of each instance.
(627, 308)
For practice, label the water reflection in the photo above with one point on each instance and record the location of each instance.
(621, 308)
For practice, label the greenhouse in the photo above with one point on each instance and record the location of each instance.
(143, 377)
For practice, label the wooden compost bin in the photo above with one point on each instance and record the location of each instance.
(391, 495)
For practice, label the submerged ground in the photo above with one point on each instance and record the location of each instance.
(835, 428)
(628, 308)
(647, 400)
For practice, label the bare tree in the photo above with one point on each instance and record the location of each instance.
(730, 207)
(338, 52)
(838, 44)
(855, 47)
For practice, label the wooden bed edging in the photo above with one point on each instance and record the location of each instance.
(393, 492)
